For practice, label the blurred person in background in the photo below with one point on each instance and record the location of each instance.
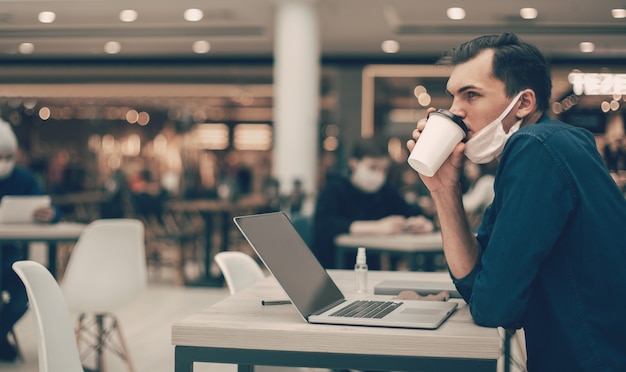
(478, 193)
(362, 202)
(14, 180)
(614, 156)
(551, 249)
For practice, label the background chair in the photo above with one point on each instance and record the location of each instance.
(239, 270)
(56, 343)
(107, 269)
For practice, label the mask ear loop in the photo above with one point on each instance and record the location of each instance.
(510, 107)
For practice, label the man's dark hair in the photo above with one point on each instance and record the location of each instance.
(518, 64)
(369, 147)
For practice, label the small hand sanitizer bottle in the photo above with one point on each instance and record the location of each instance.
(360, 271)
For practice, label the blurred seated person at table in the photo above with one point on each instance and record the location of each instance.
(479, 193)
(147, 195)
(363, 203)
(14, 180)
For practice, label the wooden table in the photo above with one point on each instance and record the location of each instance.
(410, 245)
(224, 210)
(241, 331)
(48, 233)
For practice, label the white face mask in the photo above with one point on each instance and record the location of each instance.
(6, 167)
(366, 179)
(487, 143)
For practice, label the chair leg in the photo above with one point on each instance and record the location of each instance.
(104, 327)
(100, 343)
(20, 356)
(126, 354)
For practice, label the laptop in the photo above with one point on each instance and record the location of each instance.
(314, 294)
(21, 208)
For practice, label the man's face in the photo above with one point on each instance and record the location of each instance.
(477, 96)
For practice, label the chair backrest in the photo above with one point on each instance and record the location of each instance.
(56, 342)
(107, 267)
(239, 269)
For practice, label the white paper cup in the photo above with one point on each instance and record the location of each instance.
(441, 134)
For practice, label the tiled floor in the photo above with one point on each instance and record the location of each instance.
(146, 325)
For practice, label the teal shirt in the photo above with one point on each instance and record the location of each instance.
(553, 252)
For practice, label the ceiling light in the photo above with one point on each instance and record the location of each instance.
(456, 13)
(128, 15)
(112, 47)
(26, 48)
(46, 17)
(586, 47)
(618, 13)
(390, 46)
(201, 46)
(193, 15)
(528, 13)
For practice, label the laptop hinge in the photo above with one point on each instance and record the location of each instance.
(325, 308)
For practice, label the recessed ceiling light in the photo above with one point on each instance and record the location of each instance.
(528, 13)
(112, 47)
(46, 17)
(618, 13)
(26, 48)
(201, 46)
(586, 47)
(456, 13)
(128, 15)
(390, 46)
(193, 15)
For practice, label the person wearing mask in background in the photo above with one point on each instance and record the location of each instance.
(14, 180)
(550, 254)
(362, 203)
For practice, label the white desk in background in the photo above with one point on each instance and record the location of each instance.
(239, 330)
(41, 232)
(410, 245)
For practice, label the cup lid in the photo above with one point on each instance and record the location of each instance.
(455, 119)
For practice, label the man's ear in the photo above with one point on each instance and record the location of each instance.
(527, 104)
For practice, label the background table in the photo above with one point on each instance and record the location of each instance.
(40, 232)
(410, 245)
(223, 211)
(240, 330)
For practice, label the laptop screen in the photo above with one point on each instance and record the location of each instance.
(290, 260)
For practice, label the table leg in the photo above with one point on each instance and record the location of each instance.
(226, 224)
(507, 349)
(52, 258)
(182, 361)
(208, 280)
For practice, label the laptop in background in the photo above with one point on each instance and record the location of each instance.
(421, 287)
(314, 294)
(20, 208)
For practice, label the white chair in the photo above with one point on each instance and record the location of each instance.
(239, 270)
(106, 270)
(56, 342)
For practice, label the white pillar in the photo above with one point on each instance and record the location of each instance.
(296, 94)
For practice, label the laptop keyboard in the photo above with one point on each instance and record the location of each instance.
(367, 309)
